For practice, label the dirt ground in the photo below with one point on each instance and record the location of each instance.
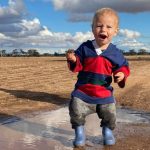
(30, 84)
(45, 83)
(128, 137)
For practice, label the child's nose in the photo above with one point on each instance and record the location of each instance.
(103, 28)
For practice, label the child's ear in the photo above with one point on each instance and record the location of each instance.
(116, 31)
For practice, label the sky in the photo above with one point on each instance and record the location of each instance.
(57, 25)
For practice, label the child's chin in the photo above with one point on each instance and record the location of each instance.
(103, 42)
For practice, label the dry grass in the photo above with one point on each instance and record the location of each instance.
(136, 93)
(45, 83)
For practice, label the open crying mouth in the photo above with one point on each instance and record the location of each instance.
(102, 36)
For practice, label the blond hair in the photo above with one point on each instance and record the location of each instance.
(103, 11)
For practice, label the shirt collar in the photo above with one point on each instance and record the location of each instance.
(97, 48)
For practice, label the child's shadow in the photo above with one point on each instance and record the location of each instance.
(37, 96)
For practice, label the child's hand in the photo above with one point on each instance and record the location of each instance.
(70, 55)
(118, 77)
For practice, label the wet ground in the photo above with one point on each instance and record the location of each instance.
(52, 131)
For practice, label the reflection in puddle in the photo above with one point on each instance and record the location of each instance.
(52, 130)
(40, 132)
(29, 140)
(132, 116)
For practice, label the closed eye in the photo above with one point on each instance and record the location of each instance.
(99, 26)
(109, 26)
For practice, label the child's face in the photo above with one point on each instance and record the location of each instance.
(104, 28)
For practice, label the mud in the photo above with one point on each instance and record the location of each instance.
(52, 131)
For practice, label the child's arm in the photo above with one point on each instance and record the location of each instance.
(118, 77)
(73, 61)
(70, 55)
(121, 75)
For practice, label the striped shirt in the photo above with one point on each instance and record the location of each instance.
(96, 70)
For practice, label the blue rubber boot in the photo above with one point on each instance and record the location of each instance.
(79, 136)
(108, 137)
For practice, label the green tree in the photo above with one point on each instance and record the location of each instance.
(33, 52)
(132, 52)
(3, 52)
(142, 52)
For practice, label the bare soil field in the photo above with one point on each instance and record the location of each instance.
(29, 84)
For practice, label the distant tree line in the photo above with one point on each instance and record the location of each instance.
(35, 53)
(130, 52)
(28, 53)
(139, 52)
(19, 52)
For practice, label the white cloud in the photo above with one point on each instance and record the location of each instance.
(129, 39)
(129, 33)
(3, 37)
(45, 32)
(31, 27)
(91, 5)
(132, 43)
(31, 24)
(13, 12)
(84, 7)
(18, 31)
(21, 29)
(81, 37)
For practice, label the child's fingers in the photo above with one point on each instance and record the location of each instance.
(69, 55)
(118, 77)
(69, 51)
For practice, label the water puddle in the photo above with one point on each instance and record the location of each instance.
(132, 116)
(52, 130)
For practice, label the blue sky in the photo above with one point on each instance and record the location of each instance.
(56, 25)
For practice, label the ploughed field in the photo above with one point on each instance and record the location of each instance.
(30, 84)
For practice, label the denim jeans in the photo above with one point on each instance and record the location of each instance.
(78, 110)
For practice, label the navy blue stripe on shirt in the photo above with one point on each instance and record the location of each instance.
(92, 100)
(85, 77)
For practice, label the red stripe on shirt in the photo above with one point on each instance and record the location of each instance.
(98, 65)
(95, 90)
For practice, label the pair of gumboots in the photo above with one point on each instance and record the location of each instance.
(108, 137)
